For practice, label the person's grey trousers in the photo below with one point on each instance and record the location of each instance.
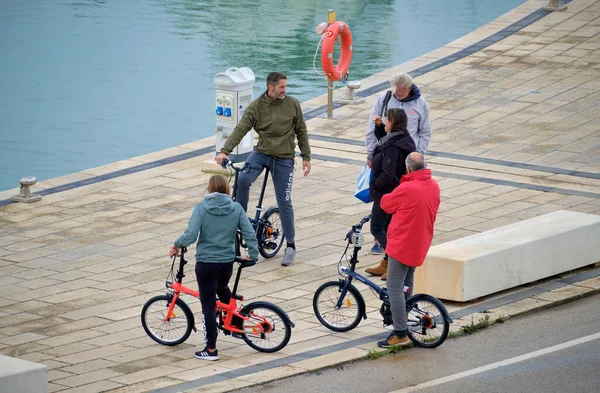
(398, 276)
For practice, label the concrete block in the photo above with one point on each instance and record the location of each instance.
(22, 376)
(509, 256)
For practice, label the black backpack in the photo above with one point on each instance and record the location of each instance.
(380, 129)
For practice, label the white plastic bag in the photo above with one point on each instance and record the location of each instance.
(362, 185)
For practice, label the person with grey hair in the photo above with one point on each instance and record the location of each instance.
(404, 94)
(414, 205)
(415, 162)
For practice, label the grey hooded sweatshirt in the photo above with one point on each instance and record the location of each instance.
(417, 111)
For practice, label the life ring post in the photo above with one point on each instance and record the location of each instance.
(331, 16)
(329, 98)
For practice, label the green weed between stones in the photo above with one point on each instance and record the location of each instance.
(373, 354)
(482, 324)
(469, 329)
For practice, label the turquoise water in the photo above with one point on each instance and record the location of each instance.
(85, 83)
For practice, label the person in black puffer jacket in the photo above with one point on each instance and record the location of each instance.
(387, 168)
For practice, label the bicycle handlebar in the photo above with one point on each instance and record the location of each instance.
(362, 222)
(226, 163)
(358, 226)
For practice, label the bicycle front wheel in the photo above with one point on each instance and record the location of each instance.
(267, 329)
(167, 331)
(270, 238)
(343, 318)
(427, 326)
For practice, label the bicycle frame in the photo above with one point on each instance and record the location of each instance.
(260, 223)
(355, 237)
(256, 221)
(231, 309)
(352, 274)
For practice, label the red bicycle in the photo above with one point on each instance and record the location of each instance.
(168, 320)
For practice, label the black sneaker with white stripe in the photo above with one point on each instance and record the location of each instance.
(206, 355)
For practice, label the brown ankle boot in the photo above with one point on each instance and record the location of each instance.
(379, 270)
(384, 277)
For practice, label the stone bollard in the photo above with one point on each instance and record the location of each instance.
(349, 96)
(554, 5)
(25, 194)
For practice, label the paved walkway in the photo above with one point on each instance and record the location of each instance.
(515, 110)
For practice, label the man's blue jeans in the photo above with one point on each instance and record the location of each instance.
(282, 173)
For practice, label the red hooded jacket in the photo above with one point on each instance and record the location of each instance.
(414, 205)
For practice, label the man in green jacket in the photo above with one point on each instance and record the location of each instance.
(277, 119)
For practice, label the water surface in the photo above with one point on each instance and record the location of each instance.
(85, 83)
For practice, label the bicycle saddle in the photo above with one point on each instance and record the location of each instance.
(245, 262)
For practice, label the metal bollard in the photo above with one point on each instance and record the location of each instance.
(554, 5)
(349, 95)
(25, 194)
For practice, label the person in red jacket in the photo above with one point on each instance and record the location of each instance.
(414, 206)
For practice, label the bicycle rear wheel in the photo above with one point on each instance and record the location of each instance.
(427, 326)
(341, 319)
(176, 329)
(270, 238)
(268, 329)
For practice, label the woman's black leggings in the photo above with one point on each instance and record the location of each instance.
(213, 279)
(380, 221)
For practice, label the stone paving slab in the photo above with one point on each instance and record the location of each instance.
(512, 121)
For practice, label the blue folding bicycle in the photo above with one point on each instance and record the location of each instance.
(340, 306)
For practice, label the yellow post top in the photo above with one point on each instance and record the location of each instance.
(330, 16)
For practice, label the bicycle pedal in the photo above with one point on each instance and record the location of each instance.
(271, 245)
(237, 335)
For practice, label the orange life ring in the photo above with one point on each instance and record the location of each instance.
(340, 71)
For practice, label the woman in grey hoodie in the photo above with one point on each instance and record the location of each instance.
(213, 225)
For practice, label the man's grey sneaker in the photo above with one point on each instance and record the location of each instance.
(288, 256)
(204, 354)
